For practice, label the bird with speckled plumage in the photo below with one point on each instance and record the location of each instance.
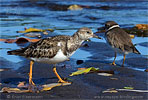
(54, 50)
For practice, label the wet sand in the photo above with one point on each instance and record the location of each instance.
(88, 86)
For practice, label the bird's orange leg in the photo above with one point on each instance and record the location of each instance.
(113, 63)
(60, 79)
(30, 73)
(123, 60)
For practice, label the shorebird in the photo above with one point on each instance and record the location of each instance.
(54, 50)
(119, 40)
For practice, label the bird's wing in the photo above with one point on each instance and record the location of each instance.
(120, 39)
(47, 47)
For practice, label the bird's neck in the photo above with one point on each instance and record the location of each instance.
(77, 39)
(73, 44)
(114, 26)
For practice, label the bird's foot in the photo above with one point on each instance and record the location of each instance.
(32, 83)
(31, 88)
(113, 64)
(62, 81)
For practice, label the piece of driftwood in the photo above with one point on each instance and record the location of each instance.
(103, 71)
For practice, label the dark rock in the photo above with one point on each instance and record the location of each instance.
(136, 31)
(53, 6)
(85, 45)
(105, 7)
(21, 41)
(79, 62)
(129, 30)
(64, 66)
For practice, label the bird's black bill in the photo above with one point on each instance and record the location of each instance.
(95, 36)
(101, 28)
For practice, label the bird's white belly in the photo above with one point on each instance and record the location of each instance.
(59, 57)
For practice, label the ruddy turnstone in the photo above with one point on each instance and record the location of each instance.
(54, 50)
(119, 40)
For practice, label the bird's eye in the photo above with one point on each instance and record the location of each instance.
(88, 32)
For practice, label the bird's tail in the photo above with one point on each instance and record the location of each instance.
(15, 52)
(136, 51)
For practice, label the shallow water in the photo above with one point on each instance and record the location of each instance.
(15, 15)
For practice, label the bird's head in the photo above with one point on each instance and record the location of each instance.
(86, 33)
(110, 25)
